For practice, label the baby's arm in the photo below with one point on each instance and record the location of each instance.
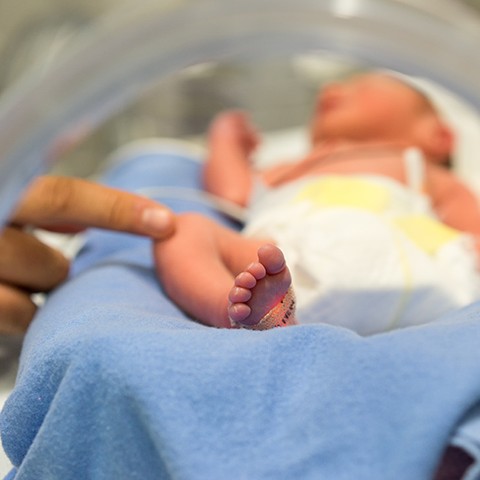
(455, 204)
(228, 171)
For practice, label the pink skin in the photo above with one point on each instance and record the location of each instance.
(260, 287)
(371, 107)
(207, 270)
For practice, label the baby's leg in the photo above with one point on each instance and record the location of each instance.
(198, 265)
(262, 296)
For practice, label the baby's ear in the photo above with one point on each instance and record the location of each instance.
(437, 139)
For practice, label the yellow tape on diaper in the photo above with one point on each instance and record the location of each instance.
(427, 233)
(346, 192)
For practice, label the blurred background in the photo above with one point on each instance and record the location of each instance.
(31, 36)
(277, 93)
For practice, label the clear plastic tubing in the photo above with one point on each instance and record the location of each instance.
(123, 54)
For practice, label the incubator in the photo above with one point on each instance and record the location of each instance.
(98, 75)
(87, 70)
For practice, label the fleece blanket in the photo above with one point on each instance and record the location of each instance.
(116, 382)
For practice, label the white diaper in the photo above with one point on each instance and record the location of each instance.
(366, 254)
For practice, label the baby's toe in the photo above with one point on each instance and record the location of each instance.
(239, 295)
(257, 270)
(238, 312)
(272, 258)
(245, 280)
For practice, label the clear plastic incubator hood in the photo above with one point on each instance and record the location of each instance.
(121, 55)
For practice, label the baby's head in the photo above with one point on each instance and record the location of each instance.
(378, 107)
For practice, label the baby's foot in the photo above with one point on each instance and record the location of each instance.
(262, 297)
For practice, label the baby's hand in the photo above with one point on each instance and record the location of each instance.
(235, 128)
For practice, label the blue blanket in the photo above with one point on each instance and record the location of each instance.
(116, 382)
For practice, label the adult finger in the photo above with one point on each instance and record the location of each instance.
(58, 201)
(28, 263)
(16, 310)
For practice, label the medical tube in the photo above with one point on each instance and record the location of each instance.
(122, 54)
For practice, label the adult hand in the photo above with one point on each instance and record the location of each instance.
(66, 205)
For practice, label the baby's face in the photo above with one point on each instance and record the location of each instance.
(371, 107)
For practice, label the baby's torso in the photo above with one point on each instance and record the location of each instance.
(384, 161)
(390, 185)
